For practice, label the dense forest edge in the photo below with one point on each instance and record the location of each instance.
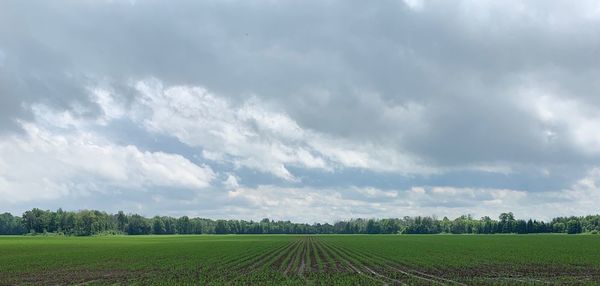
(93, 222)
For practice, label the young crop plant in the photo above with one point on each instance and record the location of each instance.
(301, 260)
(316, 256)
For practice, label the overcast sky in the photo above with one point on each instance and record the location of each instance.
(302, 110)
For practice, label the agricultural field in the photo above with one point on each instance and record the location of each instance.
(299, 260)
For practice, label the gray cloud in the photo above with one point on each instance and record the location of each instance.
(469, 91)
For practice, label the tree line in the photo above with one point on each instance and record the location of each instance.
(93, 222)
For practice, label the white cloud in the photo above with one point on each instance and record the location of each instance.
(376, 193)
(299, 204)
(557, 16)
(415, 4)
(576, 121)
(42, 164)
(582, 198)
(252, 135)
(46, 163)
(329, 204)
(231, 182)
(111, 108)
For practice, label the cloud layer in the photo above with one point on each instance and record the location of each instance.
(245, 109)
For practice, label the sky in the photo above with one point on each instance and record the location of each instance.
(310, 111)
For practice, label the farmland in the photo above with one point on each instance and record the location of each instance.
(298, 260)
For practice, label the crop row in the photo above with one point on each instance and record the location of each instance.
(311, 259)
(293, 260)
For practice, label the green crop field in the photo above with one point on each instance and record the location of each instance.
(284, 259)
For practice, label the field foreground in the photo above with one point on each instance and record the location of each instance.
(321, 260)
